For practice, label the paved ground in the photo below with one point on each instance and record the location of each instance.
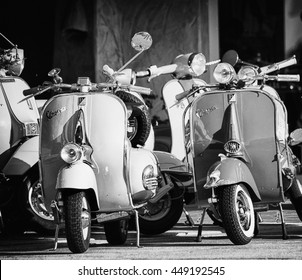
(178, 243)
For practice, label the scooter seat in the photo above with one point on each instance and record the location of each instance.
(141, 196)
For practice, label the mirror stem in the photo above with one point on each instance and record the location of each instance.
(123, 67)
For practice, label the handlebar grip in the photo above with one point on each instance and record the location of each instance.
(141, 90)
(278, 65)
(107, 70)
(166, 69)
(182, 95)
(288, 78)
(31, 91)
(287, 62)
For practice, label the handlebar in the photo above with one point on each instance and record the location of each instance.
(32, 92)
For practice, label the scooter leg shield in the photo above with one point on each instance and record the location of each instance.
(26, 156)
(231, 171)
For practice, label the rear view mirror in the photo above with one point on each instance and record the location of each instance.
(295, 137)
(141, 41)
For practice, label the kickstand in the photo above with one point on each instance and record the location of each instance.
(137, 229)
(189, 220)
(199, 233)
(283, 225)
(56, 215)
(56, 238)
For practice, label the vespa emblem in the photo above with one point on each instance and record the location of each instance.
(231, 98)
(203, 112)
(81, 101)
(51, 114)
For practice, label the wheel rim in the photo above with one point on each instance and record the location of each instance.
(156, 211)
(243, 211)
(132, 128)
(85, 218)
(36, 202)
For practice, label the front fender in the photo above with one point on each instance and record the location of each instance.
(231, 171)
(77, 176)
(26, 156)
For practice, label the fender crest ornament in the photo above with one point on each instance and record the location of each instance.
(51, 114)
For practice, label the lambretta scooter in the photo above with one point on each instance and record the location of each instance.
(238, 146)
(21, 201)
(90, 172)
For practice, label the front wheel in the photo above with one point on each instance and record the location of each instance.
(295, 195)
(237, 213)
(41, 221)
(116, 232)
(77, 221)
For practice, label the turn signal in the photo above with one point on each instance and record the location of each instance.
(71, 153)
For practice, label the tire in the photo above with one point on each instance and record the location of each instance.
(12, 221)
(116, 232)
(26, 210)
(237, 211)
(77, 220)
(295, 195)
(157, 218)
(216, 221)
(140, 119)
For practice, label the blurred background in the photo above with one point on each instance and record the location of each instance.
(80, 36)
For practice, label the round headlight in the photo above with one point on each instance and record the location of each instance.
(247, 74)
(197, 62)
(224, 73)
(71, 153)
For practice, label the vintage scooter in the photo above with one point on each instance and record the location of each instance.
(21, 202)
(155, 218)
(90, 172)
(238, 145)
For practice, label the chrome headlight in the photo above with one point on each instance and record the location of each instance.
(191, 64)
(224, 73)
(71, 153)
(197, 62)
(247, 74)
(149, 178)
